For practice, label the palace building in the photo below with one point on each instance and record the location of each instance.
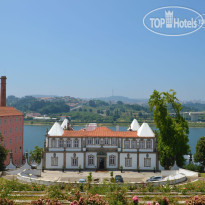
(11, 127)
(100, 148)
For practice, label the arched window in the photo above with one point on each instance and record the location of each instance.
(90, 141)
(74, 160)
(76, 143)
(97, 141)
(69, 143)
(142, 144)
(128, 161)
(149, 144)
(53, 143)
(112, 160)
(54, 160)
(90, 160)
(134, 144)
(147, 161)
(127, 144)
(114, 141)
(106, 141)
(60, 143)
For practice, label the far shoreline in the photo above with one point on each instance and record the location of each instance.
(121, 124)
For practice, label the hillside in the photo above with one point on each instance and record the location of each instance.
(126, 100)
(32, 104)
(84, 111)
(80, 110)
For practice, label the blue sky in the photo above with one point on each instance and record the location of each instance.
(86, 48)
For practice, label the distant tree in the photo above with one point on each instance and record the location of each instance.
(92, 103)
(119, 102)
(140, 114)
(36, 154)
(172, 136)
(90, 110)
(31, 104)
(108, 112)
(3, 154)
(199, 156)
(80, 109)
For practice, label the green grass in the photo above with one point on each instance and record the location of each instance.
(202, 175)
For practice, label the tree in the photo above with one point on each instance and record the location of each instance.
(92, 103)
(172, 134)
(199, 156)
(3, 154)
(119, 102)
(36, 154)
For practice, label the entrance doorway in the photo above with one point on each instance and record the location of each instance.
(101, 163)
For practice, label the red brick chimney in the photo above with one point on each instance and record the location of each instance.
(3, 91)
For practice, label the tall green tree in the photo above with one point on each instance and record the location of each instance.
(3, 154)
(199, 156)
(172, 130)
(36, 154)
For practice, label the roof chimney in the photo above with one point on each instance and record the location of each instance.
(3, 91)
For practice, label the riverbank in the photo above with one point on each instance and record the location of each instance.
(124, 124)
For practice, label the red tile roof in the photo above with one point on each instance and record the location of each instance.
(9, 111)
(99, 132)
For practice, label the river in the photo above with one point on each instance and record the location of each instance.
(35, 135)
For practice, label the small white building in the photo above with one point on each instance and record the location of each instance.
(100, 148)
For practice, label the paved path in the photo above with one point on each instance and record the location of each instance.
(74, 176)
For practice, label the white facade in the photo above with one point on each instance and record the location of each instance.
(101, 148)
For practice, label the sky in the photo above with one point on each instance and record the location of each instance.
(87, 48)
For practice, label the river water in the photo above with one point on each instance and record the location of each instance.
(35, 135)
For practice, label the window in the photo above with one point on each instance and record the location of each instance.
(97, 141)
(15, 139)
(106, 140)
(5, 132)
(76, 143)
(15, 150)
(134, 144)
(90, 160)
(112, 160)
(149, 144)
(74, 160)
(142, 145)
(16, 129)
(0, 121)
(16, 119)
(4, 143)
(128, 162)
(114, 142)
(127, 144)
(10, 120)
(89, 140)
(60, 143)
(10, 130)
(53, 143)
(54, 160)
(5, 120)
(10, 141)
(69, 143)
(147, 162)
